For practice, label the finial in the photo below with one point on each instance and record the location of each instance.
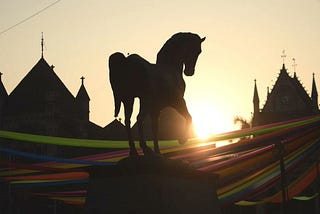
(41, 44)
(294, 64)
(82, 80)
(283, 56)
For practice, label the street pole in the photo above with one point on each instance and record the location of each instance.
(281, 150)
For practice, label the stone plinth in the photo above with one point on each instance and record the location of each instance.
(151, 185)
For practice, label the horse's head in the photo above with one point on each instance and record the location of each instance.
(192, 51)
(181, 51)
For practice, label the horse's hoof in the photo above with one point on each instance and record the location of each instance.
(133, 153)
(147, 151)
(157, 151)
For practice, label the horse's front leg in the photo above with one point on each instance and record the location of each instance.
(155, 130)
(181, 106)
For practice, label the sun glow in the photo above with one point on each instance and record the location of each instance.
(209, 121)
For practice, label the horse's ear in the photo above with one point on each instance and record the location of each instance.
(204, 38)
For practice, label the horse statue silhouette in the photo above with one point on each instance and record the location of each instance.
(157, 85)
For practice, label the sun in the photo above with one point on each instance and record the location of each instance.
(208, 121)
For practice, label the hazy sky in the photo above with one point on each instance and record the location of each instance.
(245, 39)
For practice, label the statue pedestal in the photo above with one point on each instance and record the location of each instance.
(151, 185)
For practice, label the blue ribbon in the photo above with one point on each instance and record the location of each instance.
(48, 158)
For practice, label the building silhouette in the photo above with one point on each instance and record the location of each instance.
(41, 104)
(287, 100)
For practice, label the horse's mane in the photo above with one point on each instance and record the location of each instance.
(173, 44)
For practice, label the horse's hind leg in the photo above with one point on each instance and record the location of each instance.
(128, 108)
(181, 107)
(140, 120)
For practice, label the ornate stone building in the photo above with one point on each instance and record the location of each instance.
(41, 104)
(287, 100)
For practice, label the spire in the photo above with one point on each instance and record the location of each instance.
(314, 87)
(3, 101)
(3, 92)
(255, 99)
(82, 93)
(42, 44)
(314, 93)
(283, 70)
(255, 93)
(82, 102)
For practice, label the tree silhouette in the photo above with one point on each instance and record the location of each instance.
(243, 122)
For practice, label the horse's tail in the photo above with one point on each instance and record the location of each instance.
(117, 66)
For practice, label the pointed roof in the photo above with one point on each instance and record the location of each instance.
(34, 90)
(286, 84)
(255, 92)
(283, 69)
(314, 92)
(114, 125)
(82, 93)
(3, 91)
(115, 131)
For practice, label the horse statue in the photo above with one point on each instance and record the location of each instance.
(157, 85)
